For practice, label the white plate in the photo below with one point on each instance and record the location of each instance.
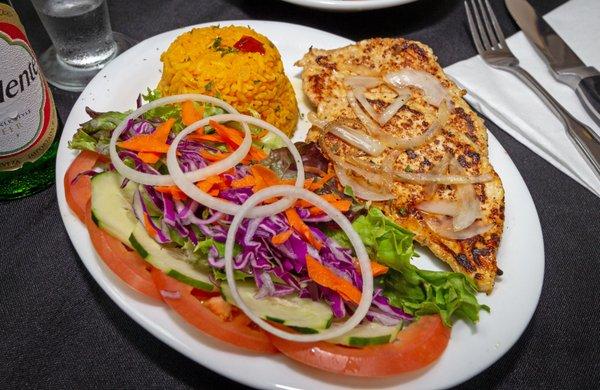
(471, 348)
(349, 5)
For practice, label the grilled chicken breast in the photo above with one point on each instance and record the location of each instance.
(463, 136)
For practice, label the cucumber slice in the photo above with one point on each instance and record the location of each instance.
(111, 205)
(370, 333)
(171, 261)
(302, 314)
(111, 210)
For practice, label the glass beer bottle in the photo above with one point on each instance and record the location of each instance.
(28, 122)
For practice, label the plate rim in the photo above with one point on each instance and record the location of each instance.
(353, 5)
(120, 294)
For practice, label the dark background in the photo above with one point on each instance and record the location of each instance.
(58, 329)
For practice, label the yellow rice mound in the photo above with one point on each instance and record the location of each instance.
(203, 61)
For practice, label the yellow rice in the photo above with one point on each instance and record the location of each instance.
(202, 61)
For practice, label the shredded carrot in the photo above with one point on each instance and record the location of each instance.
(282, 237)
(327, 278)
(206, 137)
(341, 204)
(263, 177)
(260, 135)
(137, 144)
(213, 156)
(162, 131)
(174, 191)
(303, 203)
(307, 182)
(232, 135)
(257, 154)
(322, 181)
(189, 113)
(207, 184)
(378, 268)
(246, 181)
(315, 210)
(330, 197)
(298, 225)
(154, 142)
(269, 176)
(149, 157)
(289, 182)
(148, 225)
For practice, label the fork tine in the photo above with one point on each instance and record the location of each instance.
(474, 33)
(488, 26)
(484, 39)
(495, 23)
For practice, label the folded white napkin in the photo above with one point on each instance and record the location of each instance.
(516, 109)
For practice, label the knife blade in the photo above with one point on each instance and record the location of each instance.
(564, 64)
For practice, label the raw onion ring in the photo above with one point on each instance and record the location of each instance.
(342, 221)
(190, 189)
(165, 180)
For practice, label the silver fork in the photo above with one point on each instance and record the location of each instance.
(491, 46)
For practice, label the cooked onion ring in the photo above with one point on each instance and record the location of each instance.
(371, 126)
(415, 142)
(360, 191)
(433, 90)
(443, 226)
(356, 138)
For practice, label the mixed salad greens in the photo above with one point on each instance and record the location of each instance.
(271, 254)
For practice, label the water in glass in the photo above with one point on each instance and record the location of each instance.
(80, 30)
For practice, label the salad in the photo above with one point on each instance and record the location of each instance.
(252, 239)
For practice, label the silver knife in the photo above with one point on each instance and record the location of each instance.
(565, 65)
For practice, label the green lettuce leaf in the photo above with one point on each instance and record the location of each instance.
(450, 294)
(106, 121)
(416, 291)
(94, 135)
(270, 142)
(391, 244)
(237, 274)
(163, 113)
(83, 141)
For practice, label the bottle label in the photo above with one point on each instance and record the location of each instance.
(28, 121)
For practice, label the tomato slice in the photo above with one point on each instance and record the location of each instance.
(126, 264)
(417, 346)
(239, 331)
(78, 193)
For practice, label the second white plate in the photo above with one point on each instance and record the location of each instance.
(349, 5)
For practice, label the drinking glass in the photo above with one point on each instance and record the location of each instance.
(83, 41)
